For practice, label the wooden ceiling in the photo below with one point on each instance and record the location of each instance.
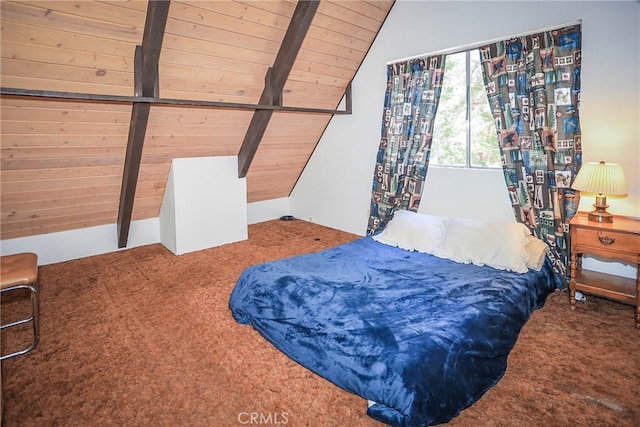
(69, 88)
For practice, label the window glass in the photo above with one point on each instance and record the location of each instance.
(464, 132)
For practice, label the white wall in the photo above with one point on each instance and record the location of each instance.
(67, 245)
(204, 204)
(84, 242)
(335, 187)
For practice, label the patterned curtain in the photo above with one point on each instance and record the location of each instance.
(411, 101)
(533, 86)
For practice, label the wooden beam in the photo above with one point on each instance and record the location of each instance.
(137, 129)
(146, 81)
(155, 23)
(348, 96)
(91, 97)
(277, 77)
(270, 97)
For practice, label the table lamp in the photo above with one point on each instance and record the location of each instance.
(603, 179)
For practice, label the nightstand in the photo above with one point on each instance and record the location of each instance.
(619, 240)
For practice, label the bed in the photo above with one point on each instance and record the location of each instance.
(418, 334)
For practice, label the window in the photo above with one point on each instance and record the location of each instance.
(464, 133)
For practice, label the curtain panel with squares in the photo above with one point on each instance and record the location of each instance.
(410, 105)
(533, 86)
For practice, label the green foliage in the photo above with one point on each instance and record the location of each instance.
(453, 133)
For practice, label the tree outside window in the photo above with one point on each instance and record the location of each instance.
(464, 133)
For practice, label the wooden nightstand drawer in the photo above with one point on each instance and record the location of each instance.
(608, 240)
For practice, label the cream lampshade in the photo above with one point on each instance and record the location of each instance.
(602, 179)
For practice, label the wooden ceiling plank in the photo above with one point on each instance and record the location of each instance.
(17, 69)
(291, 44)
(46, 37)
(146, 84)
(199, 17)
(94, 11)
(48, 16)
(367, 9)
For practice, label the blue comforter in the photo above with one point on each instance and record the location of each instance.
(422, 336)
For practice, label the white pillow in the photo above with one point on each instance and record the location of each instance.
(536, 251)
(414, 232)
(496, 244)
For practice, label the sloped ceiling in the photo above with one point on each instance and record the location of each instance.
(63, 158)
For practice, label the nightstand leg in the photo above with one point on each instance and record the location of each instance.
(638, 294)
(572, 282)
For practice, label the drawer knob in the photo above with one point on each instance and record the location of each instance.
(606, 240)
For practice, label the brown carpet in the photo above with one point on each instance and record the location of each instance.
(142, 337)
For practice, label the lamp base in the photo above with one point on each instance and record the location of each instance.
(600, 214)
(605, 217)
